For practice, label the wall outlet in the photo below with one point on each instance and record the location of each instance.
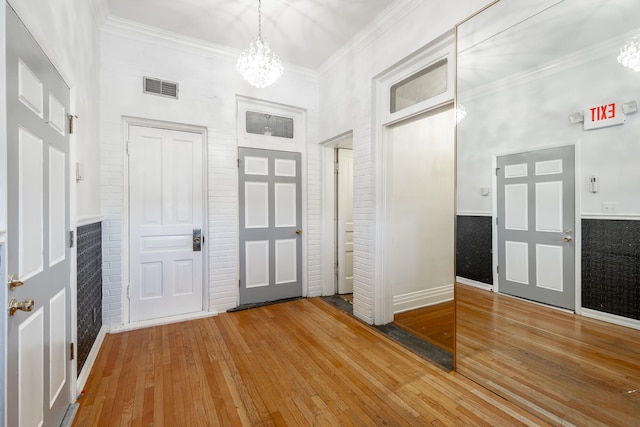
(609, 207)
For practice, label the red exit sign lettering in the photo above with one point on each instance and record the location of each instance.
(603, 116)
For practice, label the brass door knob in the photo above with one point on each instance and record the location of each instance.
(15, 305)
(298, 231)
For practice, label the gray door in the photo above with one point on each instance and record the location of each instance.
(39, 334)
(270, 225)
(536, 215)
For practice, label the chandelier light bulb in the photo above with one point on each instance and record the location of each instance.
(258, 64)
(630, 53)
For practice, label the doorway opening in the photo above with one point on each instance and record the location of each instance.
(419, 248)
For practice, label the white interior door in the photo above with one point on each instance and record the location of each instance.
(166, 211)
(270, 225)
(536, 217)
(38, 374)
(345, 221)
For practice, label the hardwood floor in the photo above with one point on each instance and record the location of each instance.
(433, 324)
(566, 368)
(298, 363)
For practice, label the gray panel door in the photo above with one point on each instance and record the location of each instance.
(270, 225)
(536, 215)
(38, 359)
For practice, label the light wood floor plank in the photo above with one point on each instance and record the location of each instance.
(299, 363)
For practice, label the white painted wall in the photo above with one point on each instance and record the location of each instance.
(537, 107)
(67, 31)
(346, 103)
(208, 88)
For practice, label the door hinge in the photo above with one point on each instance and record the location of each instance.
(498, 269)
(73, 351)
(129, 291)
(337, 167)
(497, 169)
(496, 220)
(127, 148)
(72, 238)
(71, 122)
(337, 270)
(238, 163)
(239, 286)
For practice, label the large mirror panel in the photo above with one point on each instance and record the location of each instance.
(548, 208)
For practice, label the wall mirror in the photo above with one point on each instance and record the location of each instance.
(548, 208)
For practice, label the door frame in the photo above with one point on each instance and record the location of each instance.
(298, 144)
(127, 122)
(577, 237)
(441, 48)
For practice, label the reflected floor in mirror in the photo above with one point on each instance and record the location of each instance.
(433, 324)
(566, 369)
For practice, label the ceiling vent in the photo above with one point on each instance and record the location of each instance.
(160, 87)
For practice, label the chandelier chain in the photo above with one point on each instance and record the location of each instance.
(259, 20)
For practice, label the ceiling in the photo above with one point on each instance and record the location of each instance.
(302, 32)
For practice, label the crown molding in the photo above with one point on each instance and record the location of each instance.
(146, 33)
(372, 31)
(575, 59)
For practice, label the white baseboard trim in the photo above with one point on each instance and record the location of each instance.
(419, 299)
(611, 318)
(474, 283)
(91, 359)
(162, 321)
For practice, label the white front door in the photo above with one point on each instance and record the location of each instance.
(39, 331)
(270, 225)
(345, 221)
(165, 223)
(536, 216)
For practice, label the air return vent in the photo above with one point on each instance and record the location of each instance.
(160, 87)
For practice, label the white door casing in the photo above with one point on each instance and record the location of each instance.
(270, 217)
(39, 366)
(536, 226)
(345, 221)
(165, 207)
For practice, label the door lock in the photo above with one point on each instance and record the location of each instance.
(197, 240)
(15, 305)
(567, 238)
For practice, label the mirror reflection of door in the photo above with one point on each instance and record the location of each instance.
(420, 260)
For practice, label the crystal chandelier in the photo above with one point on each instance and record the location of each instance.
(630, 53)
(258, 64)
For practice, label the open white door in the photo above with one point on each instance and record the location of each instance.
(166, 210)
(39, 328)
(345, 221)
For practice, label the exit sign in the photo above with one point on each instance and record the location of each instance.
(602, 116)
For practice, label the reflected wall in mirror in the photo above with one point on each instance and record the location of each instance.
(548, 208)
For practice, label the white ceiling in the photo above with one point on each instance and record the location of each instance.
(301, 32)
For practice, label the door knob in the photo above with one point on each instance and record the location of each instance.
(298, 231)
(14, 282)
(567, 238)
(14, 305)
